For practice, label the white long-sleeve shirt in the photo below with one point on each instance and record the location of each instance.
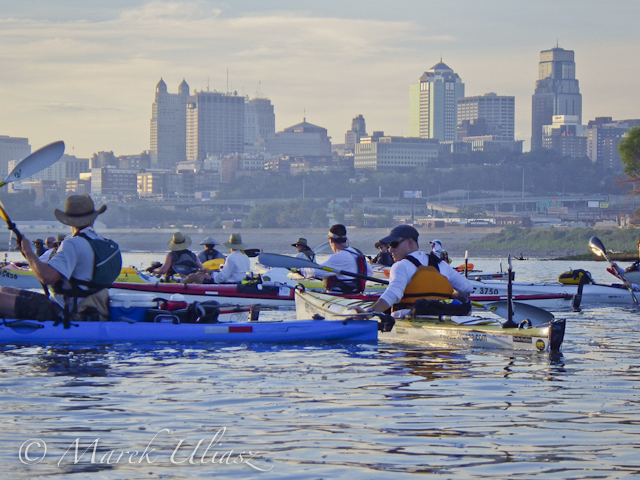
(235, 268)
(342, 260)
(401, 273)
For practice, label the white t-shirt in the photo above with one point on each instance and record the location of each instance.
(342, 260)
(235, 268)
(401, 273)
(74, 259)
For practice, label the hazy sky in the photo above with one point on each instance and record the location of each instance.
(85, 71)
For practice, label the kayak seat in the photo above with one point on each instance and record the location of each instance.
(256, 288)
(451, 306)
(195, 312)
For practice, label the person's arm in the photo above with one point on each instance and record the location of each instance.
(45, 273)
(167, 265)
(226, 271)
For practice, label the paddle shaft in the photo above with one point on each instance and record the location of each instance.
(621, 277)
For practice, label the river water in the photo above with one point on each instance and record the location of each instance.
(356, 411)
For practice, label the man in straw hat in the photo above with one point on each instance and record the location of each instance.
(345, 258)
(384, 257)
(39, 244)
(304, 251)
(180, 260)
(235, 267)
(209, 252)
(85, 265)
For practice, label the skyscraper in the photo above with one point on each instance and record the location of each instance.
(433, 104)
(494, 113)
(215, 124)
(259, 120)
(169, 126)
(557, 91)
(353, 136)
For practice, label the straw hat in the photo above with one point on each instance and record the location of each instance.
(79, 211)
(178, 242)
(38, 241)
(300, 241)
(235, 242)
(209, 241)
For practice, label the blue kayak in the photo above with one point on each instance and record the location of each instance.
(297, 331)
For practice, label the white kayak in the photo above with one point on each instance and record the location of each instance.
(444, 331)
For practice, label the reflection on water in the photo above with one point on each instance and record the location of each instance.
(329, 411)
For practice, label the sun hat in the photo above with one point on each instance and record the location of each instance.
(60, 237)
(401, 231)
(435, 240)
(235, 242)
(178, 242)
(209, 241)
(79, 211)
(38, 241)
(300, 241)
(380, 244)
(337, 232)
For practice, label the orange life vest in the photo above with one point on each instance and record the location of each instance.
(427, 283)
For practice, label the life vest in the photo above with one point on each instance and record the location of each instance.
(184, 262)
(333, 283)
(107, 263)
(210, 255)
(310, 255)
(427, 283)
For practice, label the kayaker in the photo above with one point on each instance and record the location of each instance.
(416, 274)
(83, 268)
(180, 260)
(436, 248)
(383, 257)
(50, 244)
(209, 252)
(38, 243)
(621, 271)
(235, 268)
(304, 251)
(345, 258)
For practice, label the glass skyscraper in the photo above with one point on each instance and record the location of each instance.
(557, 91)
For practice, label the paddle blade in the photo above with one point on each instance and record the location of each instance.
(252, 252)
(284, 261)
(597, 247)
(36, 162)
(521, 311)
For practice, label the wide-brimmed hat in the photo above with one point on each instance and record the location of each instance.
(300, 241)
(380, 244)
(235, 242)
(434, 241)
(38, 241)
(79, 211)
(337, 232)
(60, 237)
(401, 232)
(178, 242)
(209, 241)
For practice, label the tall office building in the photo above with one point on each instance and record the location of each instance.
(12, 148)
(169, 126)
(259, 120)
(353, 136)
(488, 114)
(557, 91)
(433, 104)
(215, 124)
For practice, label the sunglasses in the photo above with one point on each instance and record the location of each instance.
(395, 243)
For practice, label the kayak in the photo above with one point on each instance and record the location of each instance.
(138, 323)
(553, 295)
(26, 278)
(444, 331)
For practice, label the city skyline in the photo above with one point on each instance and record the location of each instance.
(86, 73)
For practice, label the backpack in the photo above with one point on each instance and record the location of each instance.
(107, 263)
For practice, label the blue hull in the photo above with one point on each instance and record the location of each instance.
(301, 331)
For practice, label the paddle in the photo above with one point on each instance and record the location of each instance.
(283, 261)
(598, 248)
(252, 252)
(34, 163)
(521, 311)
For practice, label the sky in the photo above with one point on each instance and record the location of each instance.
(85, 71)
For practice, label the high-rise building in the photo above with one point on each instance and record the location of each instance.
(557, 91)
(394, 154)
(353, 136)
(215, 124)
(303, 140)
(603, 135)
(564, 136)
(490, 114)
(12, 148)
(433, 104)
(259, 120)
(169, 126)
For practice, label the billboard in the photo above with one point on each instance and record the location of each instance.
(413, 194)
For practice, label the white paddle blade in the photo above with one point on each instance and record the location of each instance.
(36, 162)
(283, 261)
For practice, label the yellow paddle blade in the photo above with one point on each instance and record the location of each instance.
(213, 264)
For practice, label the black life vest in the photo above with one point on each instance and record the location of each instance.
(210, 255)
(184, 262)
(107, 263)
(333, 283)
